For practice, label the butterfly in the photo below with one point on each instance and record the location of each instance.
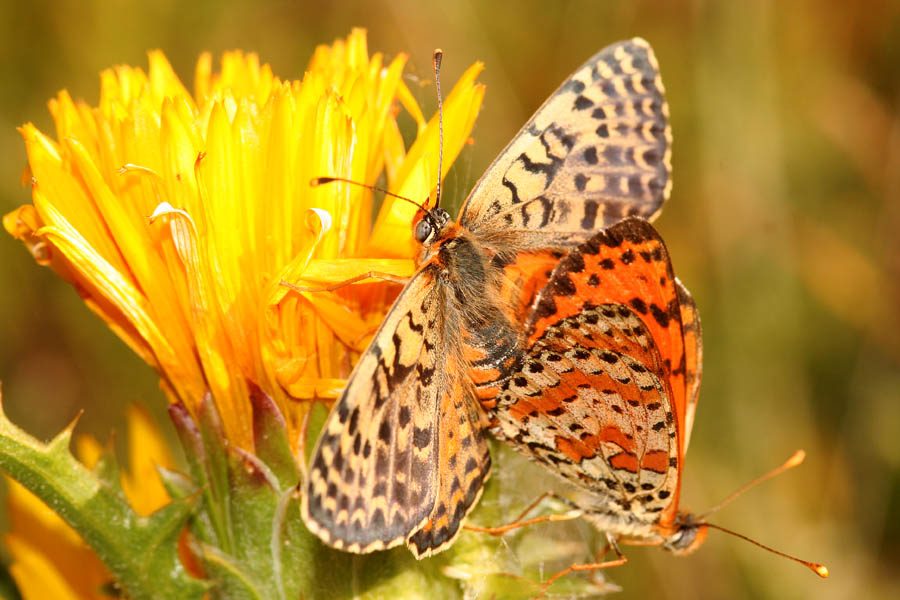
(606, 392)
(402, 457)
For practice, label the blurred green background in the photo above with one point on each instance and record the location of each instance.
(784, 222)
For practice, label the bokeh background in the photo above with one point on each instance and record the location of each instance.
(784, 222)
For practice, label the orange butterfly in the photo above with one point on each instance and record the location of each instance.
(605, 391)
(402, 457)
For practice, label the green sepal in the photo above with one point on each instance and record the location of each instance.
(315, 421)
(270, 438)
(215, 444)
(140, 552)
(176, 484)
(257, 567)
(513, 566)
(210, 523)
(271, 551)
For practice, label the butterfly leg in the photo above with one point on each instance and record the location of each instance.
(521, 521)
(598, 564)
(351, 281)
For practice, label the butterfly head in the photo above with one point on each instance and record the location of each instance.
(429, 225)
(690, 533)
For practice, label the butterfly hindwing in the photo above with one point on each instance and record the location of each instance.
(588, 401)
(597, 151)
(464, 464)
(693, 354)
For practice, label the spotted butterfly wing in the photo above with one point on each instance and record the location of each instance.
(611, 369)
(597, 151)
(387, 470)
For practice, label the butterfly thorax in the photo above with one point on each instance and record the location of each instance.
(485, 296)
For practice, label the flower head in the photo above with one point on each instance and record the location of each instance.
(177, 216)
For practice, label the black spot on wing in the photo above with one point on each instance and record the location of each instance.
(583, 103)
(574, 262)
(421, 437)
(661, 316)
(581, 181)
(562, 285)
(572, 85)
(589, 220)
(384, 432)
(546, 307)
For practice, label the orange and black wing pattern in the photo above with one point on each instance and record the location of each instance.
(601, 392)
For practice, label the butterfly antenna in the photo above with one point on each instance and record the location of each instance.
(795, 459)
(820, 570)
(798, 457)
(436, 61)
(317, 181)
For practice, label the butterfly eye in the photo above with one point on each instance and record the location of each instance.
(686, 540)
(682, 539)
(423, 230)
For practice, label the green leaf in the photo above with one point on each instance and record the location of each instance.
(140, 552)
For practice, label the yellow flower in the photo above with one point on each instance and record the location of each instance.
(50, 560)
(182, 252)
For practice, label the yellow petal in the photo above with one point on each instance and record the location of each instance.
(320, 271)
(35, 575)
(29, 514)
(197, 290)
(55, 180)
(46, 551)
(146, 450)
(88, 450)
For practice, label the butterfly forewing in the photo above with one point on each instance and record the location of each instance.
(373, 477)
(598, 150)
(402, 457)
